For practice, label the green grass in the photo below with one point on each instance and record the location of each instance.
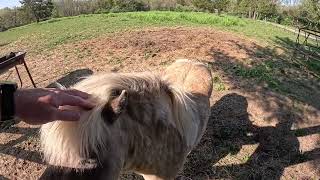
(187, 18)
(262, 72)
(51, 33)
(45, 36)
(54, 32)
(218, 84)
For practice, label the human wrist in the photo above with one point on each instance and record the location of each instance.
(18, 102)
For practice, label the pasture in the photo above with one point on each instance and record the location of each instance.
(265, 110)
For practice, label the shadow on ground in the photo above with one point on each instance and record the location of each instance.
(71, 78)
(282, 83)
(278, 69)
(12, 147)
(230, 128)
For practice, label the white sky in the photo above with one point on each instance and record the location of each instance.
(9, 3)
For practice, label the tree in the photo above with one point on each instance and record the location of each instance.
(267, 8)
(105, 4)
(311, 10)
(258, 9)
(40, 9)
(220, 5)
(128, 5)
(247, 8)
(309, 14)
(12, 18)
(201, 4)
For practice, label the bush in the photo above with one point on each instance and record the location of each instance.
(203, 4)
(102, 11)
(128, 6)
(191, 17)
(181, 8)
(287, 20)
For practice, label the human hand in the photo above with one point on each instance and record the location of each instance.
(39, 106)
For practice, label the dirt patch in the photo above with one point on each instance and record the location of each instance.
(253, 132)
(133, 51)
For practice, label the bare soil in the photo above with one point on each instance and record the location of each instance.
(254, 132)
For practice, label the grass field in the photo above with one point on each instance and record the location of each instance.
(62, 30)
(49, 34)
(265, 113)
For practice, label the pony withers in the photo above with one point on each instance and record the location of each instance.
(143, 122)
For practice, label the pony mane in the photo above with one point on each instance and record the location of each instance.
(149, 83)
(69, 143)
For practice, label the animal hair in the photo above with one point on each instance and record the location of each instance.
(68, 144)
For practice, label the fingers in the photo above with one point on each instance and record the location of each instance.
(65, 115)
(71, 100)
(75, 92)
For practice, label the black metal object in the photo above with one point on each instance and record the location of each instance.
(17, 71)
(7, 101)
(12, 60)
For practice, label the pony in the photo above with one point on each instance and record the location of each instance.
(143, 122)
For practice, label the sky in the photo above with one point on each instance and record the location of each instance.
(9, 3)
(290, 2)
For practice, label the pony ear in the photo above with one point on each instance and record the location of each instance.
(115, 107)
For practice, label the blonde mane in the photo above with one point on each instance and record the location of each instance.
(69, 144)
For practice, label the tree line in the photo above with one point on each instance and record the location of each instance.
(289, 12)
